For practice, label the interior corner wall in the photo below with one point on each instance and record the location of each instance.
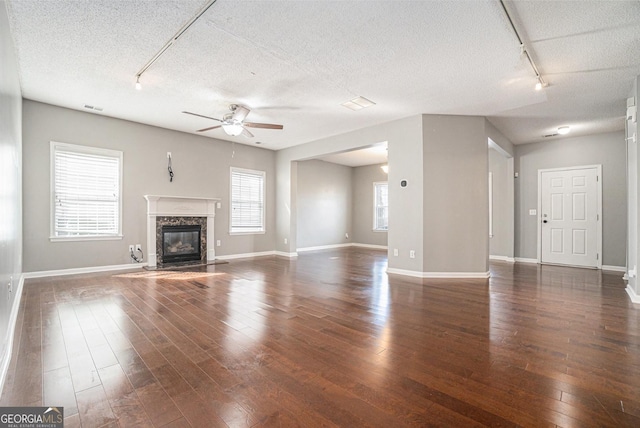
(201, 166)
(10, 186)
(501, 243)
(455, 197)
(606, 149)
(395, 132)
(324, 204)
(633, 162)
(363, 205)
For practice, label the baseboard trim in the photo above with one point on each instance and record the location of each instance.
(246, 255)
(11, 330)
(76, 271)
(503, 259)
(324, 247)
(442, 275)
(614, 268)
(632, 295)
(286, 255)
(526, 260)
(372, 246)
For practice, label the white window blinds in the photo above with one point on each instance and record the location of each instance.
(86, 191)
(247, 201)
(381, 206)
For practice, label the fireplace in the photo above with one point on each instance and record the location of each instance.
(163, 211)
(181, 243)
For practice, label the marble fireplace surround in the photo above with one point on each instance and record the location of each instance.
(178, 207)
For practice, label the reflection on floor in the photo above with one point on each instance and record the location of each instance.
(330, 340)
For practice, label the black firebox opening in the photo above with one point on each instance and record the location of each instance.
(180, 243)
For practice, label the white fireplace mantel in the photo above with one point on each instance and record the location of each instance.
(179, 206)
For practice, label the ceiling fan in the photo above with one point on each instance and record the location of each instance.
(233, 123)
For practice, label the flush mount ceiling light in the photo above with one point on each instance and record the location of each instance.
(524, 51)
(564, 130)
(358, 103)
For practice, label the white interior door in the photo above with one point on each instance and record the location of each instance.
(570, 209)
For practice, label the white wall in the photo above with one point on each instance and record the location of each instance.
(324, 204)
(10, 186)
(201, 166)
(363, 205)
(605, 149)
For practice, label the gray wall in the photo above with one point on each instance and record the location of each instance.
(633, 161)
(10, 180)
(201, 167)
(501, 243)
(403, 133)
(456, 199)
(362, 224)
(324, 203)
(605, 149)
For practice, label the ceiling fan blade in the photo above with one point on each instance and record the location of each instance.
(201, 115)
(209, 129)
(262, 125)
(240, 113)
(246, 133)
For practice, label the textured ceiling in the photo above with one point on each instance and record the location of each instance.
(295, 62)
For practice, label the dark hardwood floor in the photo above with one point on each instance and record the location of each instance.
(330, 340)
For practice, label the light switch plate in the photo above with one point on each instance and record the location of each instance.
(533, 212)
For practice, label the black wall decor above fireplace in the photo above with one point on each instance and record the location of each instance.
(181, 243)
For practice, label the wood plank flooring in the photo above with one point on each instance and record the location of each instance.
(330, 340)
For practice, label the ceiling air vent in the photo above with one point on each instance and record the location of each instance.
(358, 103)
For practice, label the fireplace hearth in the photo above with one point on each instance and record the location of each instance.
(181, 243)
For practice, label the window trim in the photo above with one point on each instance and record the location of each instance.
(375, 206)
(263, 228)
(53, 148)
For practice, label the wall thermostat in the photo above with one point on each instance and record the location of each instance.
(403, 183)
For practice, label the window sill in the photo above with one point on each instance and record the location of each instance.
(247, 232)
(380, 230)
(84, 238)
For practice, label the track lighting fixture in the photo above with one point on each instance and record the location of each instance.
(564, 130)
(523, 50)
(171, 41)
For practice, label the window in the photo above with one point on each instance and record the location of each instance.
(247, 201)
(85, 192)
(381, 206)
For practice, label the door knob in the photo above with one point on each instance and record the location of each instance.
(544, 221)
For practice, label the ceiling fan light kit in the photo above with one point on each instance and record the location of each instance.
(233, 123)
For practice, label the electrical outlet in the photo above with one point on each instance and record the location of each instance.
(169, 155)
(395, 252)
(218, 243)
(286, 241)
(130, 249)
(218, 205)
(412, 254)
(138, 247)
